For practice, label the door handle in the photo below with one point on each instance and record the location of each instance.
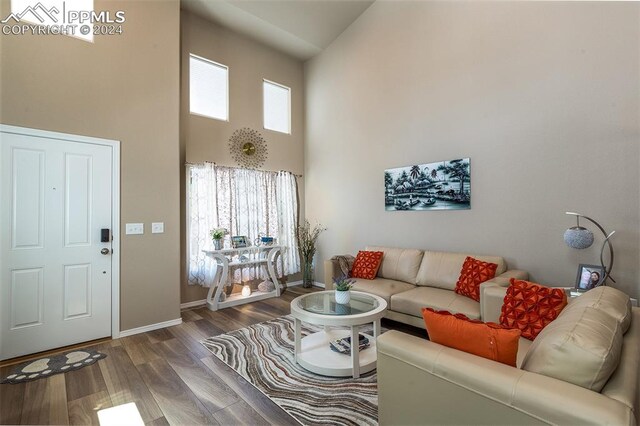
(105, 251)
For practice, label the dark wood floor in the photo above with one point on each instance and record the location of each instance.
(170, 376)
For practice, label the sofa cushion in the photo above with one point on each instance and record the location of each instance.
(366, 264)
(411, 302)
(488, 340)
(582, 346)
(530, 307)
(399, 264)
(442, 269)
(523, 348)
(381, 287)
(474, 272)
(609, 300)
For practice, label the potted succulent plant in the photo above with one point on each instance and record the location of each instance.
(343, 286)
(217, 236)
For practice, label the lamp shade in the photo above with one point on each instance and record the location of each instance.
(578, 237)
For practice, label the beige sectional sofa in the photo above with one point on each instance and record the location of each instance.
(582, 369)
(410, 279)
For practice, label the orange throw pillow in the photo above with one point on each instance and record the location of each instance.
(474, 272)
(488, 340)
(366, 264)
(529, 307)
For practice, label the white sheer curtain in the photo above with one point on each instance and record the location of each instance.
(245, 202)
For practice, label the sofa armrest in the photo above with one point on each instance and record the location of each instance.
(492, 294)
(420, 381)
(331, 270)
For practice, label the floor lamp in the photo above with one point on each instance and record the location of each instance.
(579, 237)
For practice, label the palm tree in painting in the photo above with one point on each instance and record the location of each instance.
(414, 172)
(456, 169)
(434, 174)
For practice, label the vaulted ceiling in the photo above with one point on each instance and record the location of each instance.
(300, 28)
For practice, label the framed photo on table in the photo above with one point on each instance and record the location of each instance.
(239, 241)
(589, 276)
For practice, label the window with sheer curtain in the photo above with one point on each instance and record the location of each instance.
(245, 202)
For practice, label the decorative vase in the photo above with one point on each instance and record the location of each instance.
(307, 274)
(217, 244)
(343, 297)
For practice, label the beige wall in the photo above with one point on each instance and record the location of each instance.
(544, 98)
(125, 88)
(206, 139)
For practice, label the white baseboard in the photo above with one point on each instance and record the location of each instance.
(150, 327)
(193, 304)
(296, 283)
(203, 302)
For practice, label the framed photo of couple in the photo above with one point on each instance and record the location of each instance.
(589, 276)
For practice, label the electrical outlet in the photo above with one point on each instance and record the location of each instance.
(157, 227)
(134, 229)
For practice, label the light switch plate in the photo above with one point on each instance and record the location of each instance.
(134, 228)
(157, 227)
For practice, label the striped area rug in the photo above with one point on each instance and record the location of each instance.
(263, 354)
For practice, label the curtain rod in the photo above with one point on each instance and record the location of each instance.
(188, 163)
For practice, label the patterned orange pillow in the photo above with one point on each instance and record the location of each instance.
(529, 307)
(488, 340)
(366, 264)
(474, 272)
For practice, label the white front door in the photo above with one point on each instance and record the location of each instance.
(55, 273)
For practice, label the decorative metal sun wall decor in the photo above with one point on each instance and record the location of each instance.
(248, 148)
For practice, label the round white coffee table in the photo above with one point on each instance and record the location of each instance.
(313, 352)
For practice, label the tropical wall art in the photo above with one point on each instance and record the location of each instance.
(445, 185)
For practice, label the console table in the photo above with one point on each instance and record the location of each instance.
(256, 256)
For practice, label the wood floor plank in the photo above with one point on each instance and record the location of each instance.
(220, 320)
(179, 405)
(45, 402)
(84, 411)
(162, 421)
(240, 413)
(283, 306)
(189, 315)
(85, 381)
(135, 339)
(208, 329)
(212, 391)
(253, 312)
(258, 401)
(141, 352)
(160, 335)
(11, 399)
(270, 310)
(126, 385)
(249, 316)
(190, 336)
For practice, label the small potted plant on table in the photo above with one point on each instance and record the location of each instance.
(218, 235)
(343, 286)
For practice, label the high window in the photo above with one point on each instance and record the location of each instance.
(276, 107)
(208, 88)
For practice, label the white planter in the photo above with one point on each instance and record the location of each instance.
(343, 297)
